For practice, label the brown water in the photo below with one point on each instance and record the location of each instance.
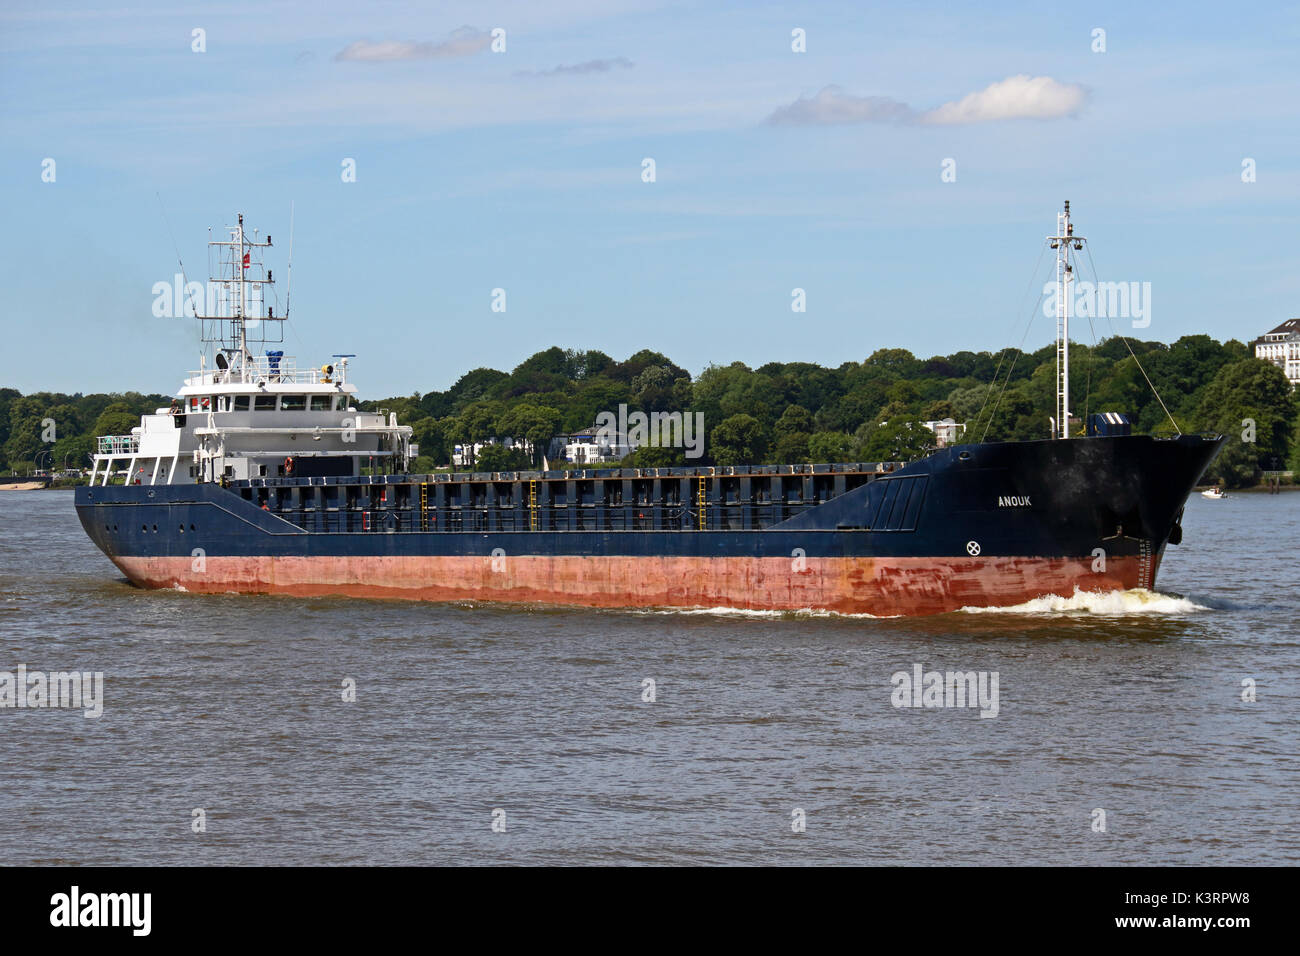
(1129, 703)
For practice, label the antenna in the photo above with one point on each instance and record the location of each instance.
(172, 236)
(288, 286)
(243, 278)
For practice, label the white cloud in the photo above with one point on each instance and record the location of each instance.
(589, 66)
(465, 41)
(832, 106)
(1017, 97)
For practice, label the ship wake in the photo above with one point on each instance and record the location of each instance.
(1104, 603)
(759, 613)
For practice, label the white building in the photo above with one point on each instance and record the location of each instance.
(595, 445)
(460, 458)
(1282, 347)
(946, 431)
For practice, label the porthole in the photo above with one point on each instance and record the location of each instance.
(191, 527)
(182, 529)
(155, 529)
(144, 528)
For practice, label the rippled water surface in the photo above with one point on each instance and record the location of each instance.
(1129, 703)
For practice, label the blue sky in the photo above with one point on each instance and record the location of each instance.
(522, 170)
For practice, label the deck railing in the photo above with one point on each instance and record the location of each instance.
(119, 444)
(263, 368)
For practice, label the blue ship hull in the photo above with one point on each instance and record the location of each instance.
(985, 524)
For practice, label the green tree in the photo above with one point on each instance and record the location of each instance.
(475, 386)
(73, 450)
(1237, 465)
(892, 364)
(475, 424)
(970, 402)
(586, 364)
(849, 412)
(738, 440)
(638, 363)
(430, 435)
(536, 424)
(793, 448)
(903, 393)
(897, 440)
(497, 457)
(1252, 403)
(1247, 396)
(26, 441)
(116, 419)
(793, 420)
(7, 398)
(654, 456)
(830, 447)
(938, 411)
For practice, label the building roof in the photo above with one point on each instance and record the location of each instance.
(590, 434)
(1290, 326)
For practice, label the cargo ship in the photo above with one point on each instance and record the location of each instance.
(266, 478)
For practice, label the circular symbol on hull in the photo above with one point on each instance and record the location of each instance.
(972, 548)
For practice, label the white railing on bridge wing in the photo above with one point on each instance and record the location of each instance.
(119, 444)
(263, 368)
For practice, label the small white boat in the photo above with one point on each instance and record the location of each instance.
(1215, 492)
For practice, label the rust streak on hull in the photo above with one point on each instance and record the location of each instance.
(882, 587)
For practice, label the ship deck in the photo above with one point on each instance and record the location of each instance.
(723, 498)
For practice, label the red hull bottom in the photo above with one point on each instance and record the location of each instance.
(881, 587)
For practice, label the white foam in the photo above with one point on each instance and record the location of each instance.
(1106, 603)
(756, 613)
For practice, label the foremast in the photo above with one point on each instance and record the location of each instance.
(1064, 242)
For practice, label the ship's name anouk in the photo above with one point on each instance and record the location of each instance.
(1013, 501)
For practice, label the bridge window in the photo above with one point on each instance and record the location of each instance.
(241, 403)
(264, 403)
(293, 403)
(321, 403)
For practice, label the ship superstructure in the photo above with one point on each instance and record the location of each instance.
(252, 414)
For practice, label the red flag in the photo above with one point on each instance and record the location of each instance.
(246, 256)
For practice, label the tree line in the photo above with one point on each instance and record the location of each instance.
(869, 410)
(785, 412)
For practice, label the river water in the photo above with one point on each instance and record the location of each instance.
(484, 734)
